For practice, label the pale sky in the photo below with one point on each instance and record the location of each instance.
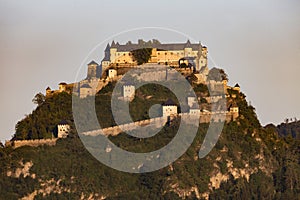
(44, 42)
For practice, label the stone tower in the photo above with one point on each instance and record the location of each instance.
(62, 87)
(106, 60)
(201, 60)
(63, 129)
(92, 70)
(203, 57)
(113, 51)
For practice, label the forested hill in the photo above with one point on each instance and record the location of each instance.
(248, 161)
(287, 128)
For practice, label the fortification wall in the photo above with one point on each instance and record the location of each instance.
(33, 143)
(205, 117)
(115, 130)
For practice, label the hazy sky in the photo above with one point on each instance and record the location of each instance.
(44, 42)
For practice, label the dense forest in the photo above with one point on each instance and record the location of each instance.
(268, 156)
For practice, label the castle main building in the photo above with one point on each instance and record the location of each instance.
(171, 54)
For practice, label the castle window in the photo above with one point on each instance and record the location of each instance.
(124, 54)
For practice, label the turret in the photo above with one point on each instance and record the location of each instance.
(169, 108)
(237, 87)
(62, 87)
(107, 52)
(113, 52)
(203, 57)
(128, 92)
(48, 91)
(234, 110)
(63, 129)
(92, 70)
(188, 49)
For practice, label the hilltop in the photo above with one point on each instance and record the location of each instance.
(46, 158)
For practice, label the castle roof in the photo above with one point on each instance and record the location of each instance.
(48, 88)
(107, 47)
(113, 44)
(237, 85)
(188, 44)
(85, 86)
(155, 44)
(106, 55)
(63, 122)
(189, 58)
(169, 102)
(62, 83)
(93, 63)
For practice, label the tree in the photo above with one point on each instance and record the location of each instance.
(142, 55)
(38, 99)
(183, 65)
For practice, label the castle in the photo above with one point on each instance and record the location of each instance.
(120, 56)
(187, 58)
(190, 59)
(169, 54)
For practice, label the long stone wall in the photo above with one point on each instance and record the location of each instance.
(32, 143)
(205, 117)
(115, 130)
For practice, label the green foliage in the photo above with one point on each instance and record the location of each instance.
(292, 129)
(39, 99)
(147, 96)
(73, 166)
(183, 65)
(200, 88)
(142, 55)
(41, 123)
